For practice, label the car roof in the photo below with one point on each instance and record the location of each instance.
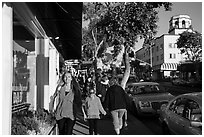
(121, 75)
(143, 83)
(197, 96)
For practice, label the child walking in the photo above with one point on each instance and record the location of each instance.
(91, 110)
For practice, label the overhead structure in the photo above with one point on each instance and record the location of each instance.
(61, 22)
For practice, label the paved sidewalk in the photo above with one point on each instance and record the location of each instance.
(105, 127)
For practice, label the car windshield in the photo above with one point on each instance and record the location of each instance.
(143, 89)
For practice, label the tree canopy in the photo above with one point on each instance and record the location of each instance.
(190, 44)
(115, 29)
(121, 22)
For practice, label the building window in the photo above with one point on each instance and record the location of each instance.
(162, 56)
(183, 24)
(161, 46)
(170, 45)
(172, 55)
(157, 48)
(157, 58)
(144, 54)
(175, 45)
(176, 24)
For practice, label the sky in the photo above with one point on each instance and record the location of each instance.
(193, 9)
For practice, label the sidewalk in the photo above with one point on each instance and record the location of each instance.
(105, 127)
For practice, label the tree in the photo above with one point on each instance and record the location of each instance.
(190, 44)
(119, 25)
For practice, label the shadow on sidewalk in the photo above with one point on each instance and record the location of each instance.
(105, 127)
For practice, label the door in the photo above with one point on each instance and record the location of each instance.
(175, 116)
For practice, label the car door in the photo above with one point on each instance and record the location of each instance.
(192, 112)
(175, 116)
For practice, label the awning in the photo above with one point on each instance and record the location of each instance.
(169, 66)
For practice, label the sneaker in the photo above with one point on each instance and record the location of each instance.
(117, 131)
(121, 126)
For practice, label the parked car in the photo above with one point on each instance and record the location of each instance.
(145, 98)
(131, 79)
(182, 115)
(178, 81)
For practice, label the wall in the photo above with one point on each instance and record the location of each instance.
(171, 39)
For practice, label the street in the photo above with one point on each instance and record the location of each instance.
(136, 126)
(105, 127)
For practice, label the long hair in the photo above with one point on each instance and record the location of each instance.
(113, 81)
(75, 89)
(63, 76)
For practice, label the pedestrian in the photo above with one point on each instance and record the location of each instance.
(91, 110)
(115, 102)
(69, 102)
(101, 87)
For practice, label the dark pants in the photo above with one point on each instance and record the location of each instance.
(65, 126)
(93, 126)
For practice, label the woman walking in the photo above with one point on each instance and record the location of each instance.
(69, 102)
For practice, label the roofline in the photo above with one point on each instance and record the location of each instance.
(180, 15)
(193, 97)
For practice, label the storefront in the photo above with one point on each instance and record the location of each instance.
(30, 63)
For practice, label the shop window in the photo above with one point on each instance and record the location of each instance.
(24, 66)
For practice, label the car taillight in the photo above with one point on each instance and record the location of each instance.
(144, 104)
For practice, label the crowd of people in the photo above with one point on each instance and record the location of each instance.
(91, 94)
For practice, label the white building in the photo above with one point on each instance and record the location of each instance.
(163, 55)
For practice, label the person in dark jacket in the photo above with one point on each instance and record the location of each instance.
(115, 102)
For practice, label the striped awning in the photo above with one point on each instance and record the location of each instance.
(169, 66)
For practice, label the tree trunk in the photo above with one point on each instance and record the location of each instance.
(127, 68)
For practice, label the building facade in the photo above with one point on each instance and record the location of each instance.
(163, 55)
(30, 63)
